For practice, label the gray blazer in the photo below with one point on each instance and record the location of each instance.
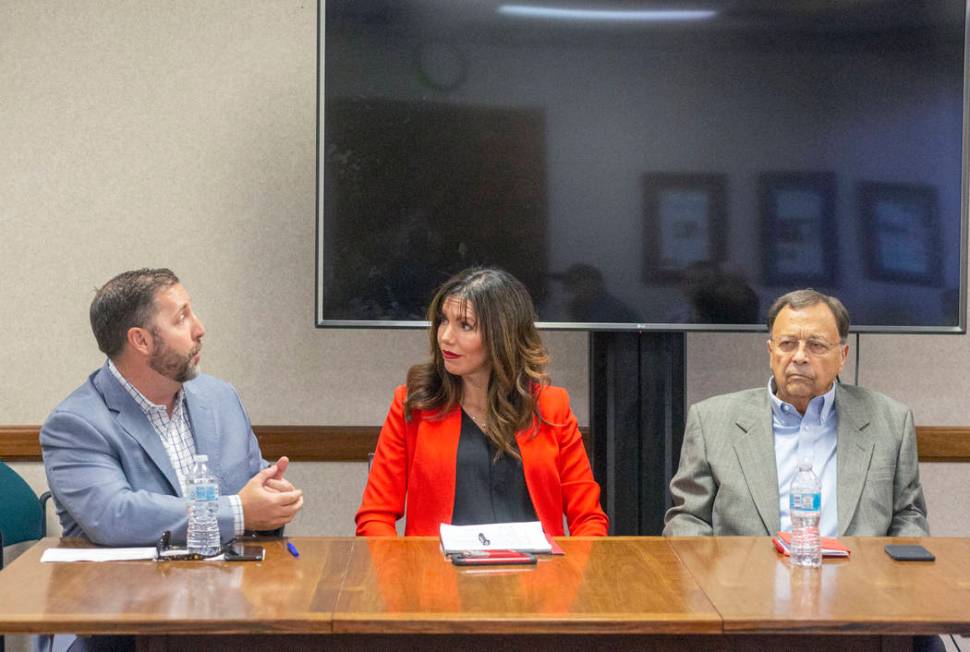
(109, 473)
(727, 482)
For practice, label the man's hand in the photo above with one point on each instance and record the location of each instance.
(269, 501)
(279, 485)
(277, 482)
(281, 465)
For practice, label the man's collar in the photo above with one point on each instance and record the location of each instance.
(778, 405)
(140, 398)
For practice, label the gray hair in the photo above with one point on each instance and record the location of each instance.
(803, 299)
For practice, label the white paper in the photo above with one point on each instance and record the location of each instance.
(57, 555)
(527, 537)
(96, 554)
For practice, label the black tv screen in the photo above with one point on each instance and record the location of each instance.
(646, 165)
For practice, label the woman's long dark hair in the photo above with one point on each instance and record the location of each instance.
(505, 317)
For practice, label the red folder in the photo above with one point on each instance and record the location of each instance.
(831, 547)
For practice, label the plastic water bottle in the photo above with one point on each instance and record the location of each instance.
(203, 505)
(805, 500)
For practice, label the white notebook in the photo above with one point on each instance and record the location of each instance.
(527, 537)
(59, 555)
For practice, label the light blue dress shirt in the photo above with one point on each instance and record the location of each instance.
(814, 436)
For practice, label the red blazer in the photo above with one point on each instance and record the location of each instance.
(413, 472)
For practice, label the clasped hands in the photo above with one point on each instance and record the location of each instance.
(269, 501)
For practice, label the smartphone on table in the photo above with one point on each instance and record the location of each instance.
(245, 552)
(909, 552)
(491, 557)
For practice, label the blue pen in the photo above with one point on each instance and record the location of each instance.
(292, 549)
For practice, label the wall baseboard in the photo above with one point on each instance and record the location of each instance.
(354, 443)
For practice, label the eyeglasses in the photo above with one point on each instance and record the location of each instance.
(165, 552)
(812, 346)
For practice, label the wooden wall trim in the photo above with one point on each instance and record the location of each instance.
(302, 443)
(353, 443)
(20, 443)
(317, 443)
(943, 443)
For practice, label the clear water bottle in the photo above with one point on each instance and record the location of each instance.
(806, 504)
(203, 505)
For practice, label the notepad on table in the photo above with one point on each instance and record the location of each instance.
(96, 554)
(61, 555)
(525, 537)
(831, 547)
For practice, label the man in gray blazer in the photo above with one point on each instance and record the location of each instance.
(741, 450)
(118, 450)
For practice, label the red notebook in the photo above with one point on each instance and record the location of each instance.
(831, 547)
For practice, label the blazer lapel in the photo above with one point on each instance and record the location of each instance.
(131, 418)
(756, 454)
(203, 423)
(854, 445)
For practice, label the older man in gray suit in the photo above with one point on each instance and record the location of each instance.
(741, 450)
(118, 450)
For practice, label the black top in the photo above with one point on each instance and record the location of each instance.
(487, 491)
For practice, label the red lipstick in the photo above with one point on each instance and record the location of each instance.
(449, 355)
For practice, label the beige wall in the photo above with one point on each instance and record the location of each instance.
(183, 134)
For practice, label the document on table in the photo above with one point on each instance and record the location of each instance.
(96, 554)
(527, 537)
(57, 555)
(831, 547)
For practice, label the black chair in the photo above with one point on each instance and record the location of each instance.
(22, 513)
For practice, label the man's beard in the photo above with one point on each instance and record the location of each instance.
(171, 365)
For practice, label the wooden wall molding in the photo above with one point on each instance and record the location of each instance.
(301, 443)
(20, 443)
(943, 443)
(353, 443)
(317, 443)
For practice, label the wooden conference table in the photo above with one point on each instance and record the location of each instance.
(604, 594)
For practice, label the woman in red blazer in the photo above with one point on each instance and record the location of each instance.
(487, 363)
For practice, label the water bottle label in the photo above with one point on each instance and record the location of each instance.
(204, 492)
(806, 502)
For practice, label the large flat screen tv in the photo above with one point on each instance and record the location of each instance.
(645, 165)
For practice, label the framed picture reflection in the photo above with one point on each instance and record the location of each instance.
(684, 223)
(798, 234)
(906, 240)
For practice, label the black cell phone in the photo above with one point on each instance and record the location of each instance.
(240, 552)
(492, 558)
(908, 552)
